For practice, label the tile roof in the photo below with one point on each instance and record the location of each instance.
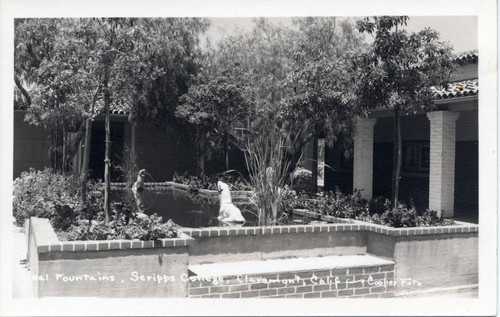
(458, 89)
(467, 57)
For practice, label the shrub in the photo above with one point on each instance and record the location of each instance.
(302, 180)
(333, 203)
(379, 205)
(289, 200)
(402, 217)
(406, 216)
(347, 206)
(378, 211)
(46, 194)
(124, 224)
(430, 218)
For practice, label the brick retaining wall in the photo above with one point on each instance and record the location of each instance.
(257, 243)
(437, 257)
(109, 268)
(371, 281)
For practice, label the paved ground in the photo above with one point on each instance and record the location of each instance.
(21, 283)
(281, 265)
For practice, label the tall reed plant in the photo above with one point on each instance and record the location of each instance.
(266, 149)
(129, 166)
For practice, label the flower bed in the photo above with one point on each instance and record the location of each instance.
(377, 211)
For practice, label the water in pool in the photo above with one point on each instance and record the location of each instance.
(185, 209)
(189, 210)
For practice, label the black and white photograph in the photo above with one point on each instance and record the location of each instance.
(226, 158)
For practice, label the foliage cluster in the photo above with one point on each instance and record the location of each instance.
(377, 211)
(47, 194)
(124, 224)
(66, 69)
(406, 215)
(301, 180)
(333, 203)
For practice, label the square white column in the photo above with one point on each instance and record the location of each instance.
(442, 162)
(363, 157)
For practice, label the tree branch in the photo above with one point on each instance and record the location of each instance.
(23, 91)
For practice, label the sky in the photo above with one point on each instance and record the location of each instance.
(459, 31)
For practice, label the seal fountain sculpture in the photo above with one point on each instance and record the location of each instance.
(137, 190)
(229, 214)
(139, 183)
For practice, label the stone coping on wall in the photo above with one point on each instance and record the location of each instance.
(334, 262)
(256, 230)
(46, 241)
(209, 192)
(460, 227)
(147, 184)
(337, 225)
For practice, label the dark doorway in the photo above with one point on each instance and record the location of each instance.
(98, 146)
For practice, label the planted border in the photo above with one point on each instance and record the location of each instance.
(105, 268)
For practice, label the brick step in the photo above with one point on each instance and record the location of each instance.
(329, 276)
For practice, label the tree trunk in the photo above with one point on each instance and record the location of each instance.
(200, 155)
(314, 180)
(226, 151)
(64, 162)
(107, 160)
(23, 90)
(86, 157)
(396, 175)
(202, 159)
(296, 155)
(54, 146)
(197, 147)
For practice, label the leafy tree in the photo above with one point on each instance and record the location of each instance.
(50, 73)
(398, 72)
(129, 53)
(321, 80)
(263, 55)
(213, 108)
(179, 57)
(73, 63)
(247, 67)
